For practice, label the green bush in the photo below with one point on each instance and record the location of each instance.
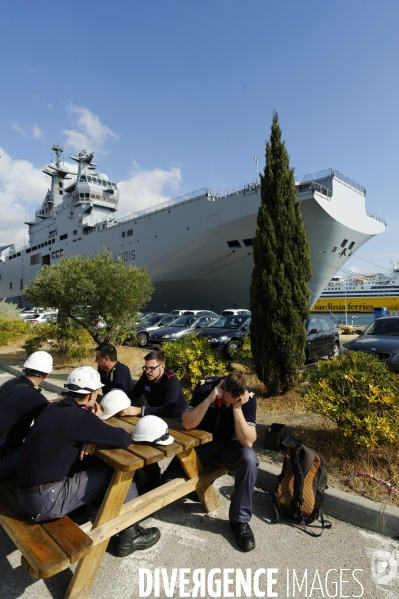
(359, 394)
(192, 360)
(243, 353)
(62, 337)
(12, 329)
(9, 311)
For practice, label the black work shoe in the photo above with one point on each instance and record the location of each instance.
(244, 535)
(134, 538)
(151, 484)
(92, 510)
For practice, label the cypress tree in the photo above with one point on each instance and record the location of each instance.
(279, 294)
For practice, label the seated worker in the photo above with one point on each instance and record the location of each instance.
(226, 408)
(114, 375)
(21, 401)
(51, 483)
(164, 398)
(161, 389)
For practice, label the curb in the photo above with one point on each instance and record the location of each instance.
(359, 511)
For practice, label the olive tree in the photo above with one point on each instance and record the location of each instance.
(101, 295)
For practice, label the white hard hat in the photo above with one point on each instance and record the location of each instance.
(83, 380)
(40, 361)
(113, 402)
(152, 429)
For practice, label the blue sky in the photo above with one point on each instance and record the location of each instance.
(175, 95)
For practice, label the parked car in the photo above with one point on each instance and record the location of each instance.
(322, 338)
(146, 315)
(380, 338)
(200, 313)
(235, 312)
(225, 333)
(178, 312)
(154, 323)
(179, 328)
(42, 319)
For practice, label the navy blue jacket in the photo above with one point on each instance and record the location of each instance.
(117, 378)
(56, 438)
(165, 398)
(17, 411)
(219, 420)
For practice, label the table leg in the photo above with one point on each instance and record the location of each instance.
(193, 467)
(87, 568)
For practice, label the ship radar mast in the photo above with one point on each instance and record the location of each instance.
(58, 151)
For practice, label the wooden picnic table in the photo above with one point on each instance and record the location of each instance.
(114, 515)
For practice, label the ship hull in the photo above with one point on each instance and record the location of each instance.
(355, 304)
(198, 252)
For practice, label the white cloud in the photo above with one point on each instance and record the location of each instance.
(148, 188)
(18, 128)
(37, 133)
(21, 185)
(88, 133)
(354, 269)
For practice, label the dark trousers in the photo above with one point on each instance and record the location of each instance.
(9, 463)
(70, 493)
(241, 459)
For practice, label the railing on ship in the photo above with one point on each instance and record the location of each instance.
(305, 183)
(188, 197)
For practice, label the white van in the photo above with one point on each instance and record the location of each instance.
(235, 312)
(178, 312)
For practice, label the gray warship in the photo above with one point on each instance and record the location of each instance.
(197, 248)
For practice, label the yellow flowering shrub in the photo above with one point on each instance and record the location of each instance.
(191, 359)
(360, 394)
(12, 329)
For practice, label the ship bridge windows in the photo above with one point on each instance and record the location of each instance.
(63, 236)
(351, 245)
(83, 178)
(343, 244)
(234, 244)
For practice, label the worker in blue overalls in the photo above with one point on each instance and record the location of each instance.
(226, 407)
(21, 402)
(158, 392)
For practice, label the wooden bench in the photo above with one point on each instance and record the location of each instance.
(49, 547)
(46, 548)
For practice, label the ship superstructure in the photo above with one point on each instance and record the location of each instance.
(361, 293)
(197, 248)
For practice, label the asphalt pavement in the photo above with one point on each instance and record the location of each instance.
(197, 553)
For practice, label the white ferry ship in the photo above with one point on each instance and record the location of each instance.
(197, 248)
(361, 293)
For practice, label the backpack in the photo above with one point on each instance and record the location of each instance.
(301, 487)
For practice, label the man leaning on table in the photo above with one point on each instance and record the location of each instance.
(158, 392)
(57, 471)
(113, 374)
(226, 408)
